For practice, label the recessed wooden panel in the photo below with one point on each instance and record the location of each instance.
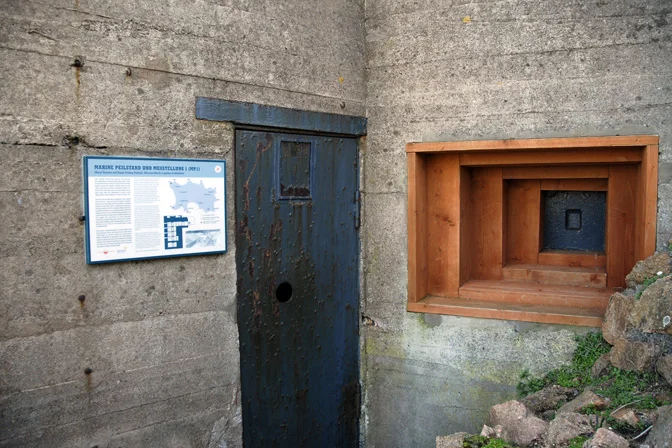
(647, 200)
(443, 224)
(487, 199)
(465, 225)
(571, 258)
(564, 157)
(621, 210)
(556, 172)
(523, 199)
(417, 227)
(574, 184)
(556, 275)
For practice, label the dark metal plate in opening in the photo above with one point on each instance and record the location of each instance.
(574, 220)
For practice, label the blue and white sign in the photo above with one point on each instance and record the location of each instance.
(140, 208)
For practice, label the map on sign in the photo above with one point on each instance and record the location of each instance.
(138, 208)
(193, 193)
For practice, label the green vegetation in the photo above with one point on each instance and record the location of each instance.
(577, 442)
(627, 387)
(528, 384)
(620, 386)
(622, 427)
(577, 374)
(484, 442)
(647, 282)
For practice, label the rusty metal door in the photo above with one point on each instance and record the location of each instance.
(298, 285)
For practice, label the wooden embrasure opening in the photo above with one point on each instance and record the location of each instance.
(475, 225)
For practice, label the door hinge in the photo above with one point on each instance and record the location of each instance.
(358, 204)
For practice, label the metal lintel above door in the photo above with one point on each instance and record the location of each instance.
(241, 113)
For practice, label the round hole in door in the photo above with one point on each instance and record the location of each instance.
(283, 292)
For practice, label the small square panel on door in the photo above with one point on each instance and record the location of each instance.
(294, 169)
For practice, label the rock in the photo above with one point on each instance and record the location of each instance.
(548, 398)
(647, 416)
(615, 324)
(664, 368)
(518, 424)
(453, 441)
(652, 313)
(498, 430)
(628, 416)
(586, 399)
(491, 432)
(604, 438)
(487, 431)
(601, 366)
(661, 433)
(565, 427)
(634, 355)
(548, 415)
(658, 262)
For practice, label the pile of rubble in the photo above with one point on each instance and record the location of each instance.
(638, 326)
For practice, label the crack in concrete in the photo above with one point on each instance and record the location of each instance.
(140, 406)
(79, 11)
(49, 145)
(22, 190)
(188, 75)
(521, 53)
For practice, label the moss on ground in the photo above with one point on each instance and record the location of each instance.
(589, 348)
(476, 441)
(635, 389)
(577, 442)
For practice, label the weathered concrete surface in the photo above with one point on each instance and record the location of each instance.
(160, 336)
(439, 373)
(464, 70)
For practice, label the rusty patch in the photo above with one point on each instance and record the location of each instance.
(294, 191)
(256, 303)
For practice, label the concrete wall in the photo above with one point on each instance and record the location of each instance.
(459, 70)
(159, 336)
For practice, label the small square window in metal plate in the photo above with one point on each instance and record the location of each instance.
(574, 220)
(294, 170)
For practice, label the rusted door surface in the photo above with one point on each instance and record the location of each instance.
(297, 260)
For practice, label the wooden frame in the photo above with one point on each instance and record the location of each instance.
(469, 256)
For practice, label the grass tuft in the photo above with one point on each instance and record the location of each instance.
(577, 374)
(645, 284)
(477, 441)
(577, 442)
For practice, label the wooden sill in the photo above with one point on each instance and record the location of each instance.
(529, 293)
(562, 315)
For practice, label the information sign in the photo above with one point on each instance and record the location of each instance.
(139, 208)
